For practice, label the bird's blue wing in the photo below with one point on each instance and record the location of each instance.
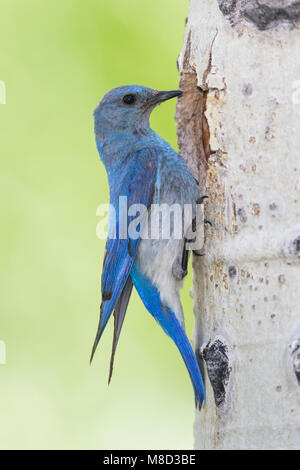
(136, 181)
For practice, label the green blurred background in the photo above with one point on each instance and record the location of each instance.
(57, 60)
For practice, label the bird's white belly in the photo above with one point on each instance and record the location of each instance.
(156, 258)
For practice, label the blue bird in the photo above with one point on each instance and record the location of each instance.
(142, 166)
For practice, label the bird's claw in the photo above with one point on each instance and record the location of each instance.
(199, 252)
(202, 199)
(206, 221)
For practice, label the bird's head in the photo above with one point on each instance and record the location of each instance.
(128, 108)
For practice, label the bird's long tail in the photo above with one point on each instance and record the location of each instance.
(168, 321)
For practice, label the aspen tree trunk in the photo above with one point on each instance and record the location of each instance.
(239, 130)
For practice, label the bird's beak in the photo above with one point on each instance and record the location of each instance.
(161, 96)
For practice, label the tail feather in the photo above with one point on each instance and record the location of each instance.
(179, 337)
(119, 315)
(105, 311)
(170, 324)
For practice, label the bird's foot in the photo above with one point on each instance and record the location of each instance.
(206, 221)
(199, 252)
(202, 199)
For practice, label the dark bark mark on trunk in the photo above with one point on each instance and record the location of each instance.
(265, 14)
(218, 368)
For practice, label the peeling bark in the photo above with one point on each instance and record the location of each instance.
(192, 129)
(238, 129)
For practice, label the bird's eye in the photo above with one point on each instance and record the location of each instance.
(129, 99)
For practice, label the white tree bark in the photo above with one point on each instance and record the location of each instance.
(239, 130)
